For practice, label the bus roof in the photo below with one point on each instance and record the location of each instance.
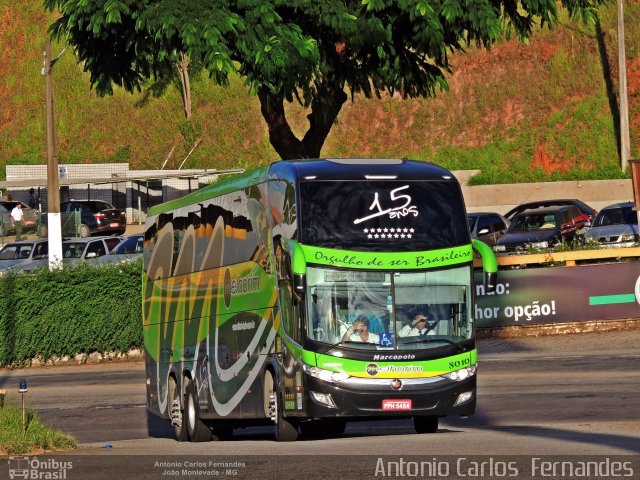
(315, 169)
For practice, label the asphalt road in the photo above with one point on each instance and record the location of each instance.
(565, 395)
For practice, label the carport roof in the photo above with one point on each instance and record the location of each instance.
(130, 176)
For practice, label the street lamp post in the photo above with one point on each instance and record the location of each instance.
(53, 184)
(625, 142)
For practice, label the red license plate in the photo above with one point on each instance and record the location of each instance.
(397, 405)
(114, 225)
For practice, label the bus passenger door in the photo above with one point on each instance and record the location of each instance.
(290, 313)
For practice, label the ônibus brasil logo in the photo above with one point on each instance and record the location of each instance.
(38, 468)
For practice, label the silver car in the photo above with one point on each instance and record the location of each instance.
(130, 249)
(76, 250)
(615, 226)
(17, 254)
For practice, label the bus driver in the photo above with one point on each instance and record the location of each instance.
(419, 326)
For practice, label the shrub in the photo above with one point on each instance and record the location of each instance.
(81, 309)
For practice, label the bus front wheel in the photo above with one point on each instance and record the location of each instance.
(286, 429)
(428, 424)
(197, 430)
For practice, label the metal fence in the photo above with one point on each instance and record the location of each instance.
(69, 221)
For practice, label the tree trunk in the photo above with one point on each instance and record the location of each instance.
(324, 111)
(183, 70)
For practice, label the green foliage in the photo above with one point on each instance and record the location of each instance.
(78, 310)
(37, 437)
(294, 49)
(498, 101)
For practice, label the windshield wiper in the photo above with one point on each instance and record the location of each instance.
(341, 342)
(428, 339)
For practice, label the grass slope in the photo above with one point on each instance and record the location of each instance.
(520, 112)
(37, 437)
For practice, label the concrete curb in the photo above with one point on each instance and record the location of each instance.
(559, 328)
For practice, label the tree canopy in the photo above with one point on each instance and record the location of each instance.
(315, 53)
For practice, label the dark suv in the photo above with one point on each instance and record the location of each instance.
(96, 217)
(541, 228)
(586, 212)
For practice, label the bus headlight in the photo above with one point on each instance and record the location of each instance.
(325, 375)
(462, 374)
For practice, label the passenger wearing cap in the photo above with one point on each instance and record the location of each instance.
(419, 326)
(359, 332)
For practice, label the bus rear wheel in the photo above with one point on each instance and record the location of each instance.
(177, 416)
(428, 424)
(197, 430)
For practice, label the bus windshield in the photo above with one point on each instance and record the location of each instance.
(385, 309)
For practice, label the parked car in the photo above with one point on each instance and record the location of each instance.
(541, 228)
(487, 226)
(96, 217)
(29, 217)
(15, 254)
(75, 250)
(586, 212)
(129, 249)
(88, 248)
(615, 226)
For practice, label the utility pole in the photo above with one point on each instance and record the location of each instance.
(53, 183)
(625, 142)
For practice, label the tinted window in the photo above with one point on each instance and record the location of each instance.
(532, 221)
(112, 243)
(383, 215)
(72, 250)
(616, 216)
(130, 245)
(98, 248)
(9, 252)
(42, 249)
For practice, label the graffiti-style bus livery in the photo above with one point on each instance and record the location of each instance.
(310, 293)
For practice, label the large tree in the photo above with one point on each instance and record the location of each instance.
(313, 52)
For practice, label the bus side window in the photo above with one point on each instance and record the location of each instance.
(289, 300)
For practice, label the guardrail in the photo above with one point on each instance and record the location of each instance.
(569, 258)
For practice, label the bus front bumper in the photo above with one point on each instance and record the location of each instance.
(360, 397)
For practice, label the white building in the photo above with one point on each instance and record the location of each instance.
(132, 190)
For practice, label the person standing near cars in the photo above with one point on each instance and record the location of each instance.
(34, 199)
(16, 216)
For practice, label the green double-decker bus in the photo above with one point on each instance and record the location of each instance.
(311, 293)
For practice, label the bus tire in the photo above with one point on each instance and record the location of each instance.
(286, 429)
(197, 430)
(177, 415)
(426, 424)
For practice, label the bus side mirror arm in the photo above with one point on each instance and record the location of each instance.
(489, 265)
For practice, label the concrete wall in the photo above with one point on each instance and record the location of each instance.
(500, 198)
